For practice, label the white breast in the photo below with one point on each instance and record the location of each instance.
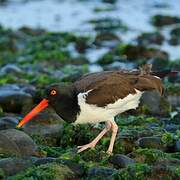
(92, 114)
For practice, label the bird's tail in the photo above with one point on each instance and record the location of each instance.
(147, 69)
(165, 73)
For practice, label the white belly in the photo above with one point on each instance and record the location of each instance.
(92, 114)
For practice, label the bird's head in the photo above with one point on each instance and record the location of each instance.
(54, 95)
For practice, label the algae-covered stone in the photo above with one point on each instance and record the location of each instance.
(50, 171)
(151, 142)
(121, 161)
(11, 166)
(164, 20)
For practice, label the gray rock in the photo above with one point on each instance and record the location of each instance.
(8, 122)
(151, 142)
(14, 142)
(100, 172)
(154, 103)
(121, 161)
(11, 166)
(12, 99)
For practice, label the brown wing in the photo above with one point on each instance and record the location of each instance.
(109, 86)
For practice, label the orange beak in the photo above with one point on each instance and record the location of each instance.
(42, 105)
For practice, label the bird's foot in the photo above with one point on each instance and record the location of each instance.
(109, 152)
(86, 146)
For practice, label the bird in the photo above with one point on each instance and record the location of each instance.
(99, 97)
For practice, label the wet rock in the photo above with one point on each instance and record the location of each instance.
(108, 24)
(30, 31)
(11, 166)
(78, 169)
(106, 39)
(8, 122)
(46, 127)
(164, 172)
(12, 99)
(44, 160)
(11, 69)
(163, 20)
(109, 1)
(177, 146)
(168, 162)
(119, 66)
(29, 89)
(14, 142)
(134, 52)
(121, 161)
(175, 36)
(146, 39)
(47, 171)
(154, 103)
(158, 64)
(81, 44)
(100, 172)
(151, 142)
(171, 127)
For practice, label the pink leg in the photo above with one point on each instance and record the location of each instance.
(114, 128)
(96, 140)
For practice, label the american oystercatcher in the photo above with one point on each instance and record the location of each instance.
(99, 97)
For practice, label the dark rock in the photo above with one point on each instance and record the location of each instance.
(177, 146)
(30, 31)
(150, 38)
(11, 166)
(154, 103)
(100, 172)
(14, 142)
(8, 123)
(46, 126)
(12, 99)
(121, 161)
(175, 36)
(168, 162)
(163, 20)
(44, 160)
(108, 24)
(107, 39)
(134, 52)
(171, 127)
(109, 1)
(78, 169)
(151, 142)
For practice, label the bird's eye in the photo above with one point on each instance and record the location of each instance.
(53, 92)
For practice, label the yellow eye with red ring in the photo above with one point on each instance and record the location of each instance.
(53, 92)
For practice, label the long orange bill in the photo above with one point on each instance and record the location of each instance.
(42, 105)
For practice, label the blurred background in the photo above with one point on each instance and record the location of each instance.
(50, 41)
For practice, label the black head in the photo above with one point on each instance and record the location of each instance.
(62, 98)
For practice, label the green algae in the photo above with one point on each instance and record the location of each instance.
(50, 171)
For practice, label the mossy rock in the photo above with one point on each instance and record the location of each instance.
(50, 171)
